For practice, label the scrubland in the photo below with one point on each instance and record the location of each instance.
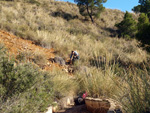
(115, 68)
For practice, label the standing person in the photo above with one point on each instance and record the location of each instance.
(74, 56)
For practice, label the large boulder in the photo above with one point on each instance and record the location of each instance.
(58, 60)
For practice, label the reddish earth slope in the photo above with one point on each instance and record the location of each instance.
(15, 45)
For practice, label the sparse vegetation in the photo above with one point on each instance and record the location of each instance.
(116, 68)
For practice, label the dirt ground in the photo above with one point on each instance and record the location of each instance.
(15, 45)
(75, 109)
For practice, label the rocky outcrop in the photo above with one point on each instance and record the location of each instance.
(58, 60)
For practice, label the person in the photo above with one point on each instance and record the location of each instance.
(74, 56)
(80, 99)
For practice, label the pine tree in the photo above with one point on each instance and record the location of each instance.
(143, 22)
(143, 29)
(127, 27)
(144, 7)
(91, 8)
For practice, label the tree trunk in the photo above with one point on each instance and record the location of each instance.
(90, 15)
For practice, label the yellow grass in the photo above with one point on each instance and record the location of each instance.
(48, 25)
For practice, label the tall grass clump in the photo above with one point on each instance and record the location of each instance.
(63, 84)
(121, 52)
(131, 89)
(39, 57)
(125, 81)
(136, 90)
(99, 83)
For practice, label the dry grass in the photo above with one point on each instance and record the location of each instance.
(131, 90)
(39, 58)
(99, 83)
(59, 25)
(135, 90)
(49, 27)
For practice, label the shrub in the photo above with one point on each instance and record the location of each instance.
(127, 27)
(143, 29)
(15, 79)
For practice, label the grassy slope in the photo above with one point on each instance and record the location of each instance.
(59, 25)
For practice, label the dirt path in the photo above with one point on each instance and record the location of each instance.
(75, 109)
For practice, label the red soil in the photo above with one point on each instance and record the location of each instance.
(16, 44)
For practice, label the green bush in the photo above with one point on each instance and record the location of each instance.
(24, 88)
(127, 27)
(15, 79)
(143, 33)
(18, 79)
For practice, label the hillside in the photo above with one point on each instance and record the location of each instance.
(17, 47)
(59, 25)
(34, 32)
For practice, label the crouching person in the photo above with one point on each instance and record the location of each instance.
(74, 56)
